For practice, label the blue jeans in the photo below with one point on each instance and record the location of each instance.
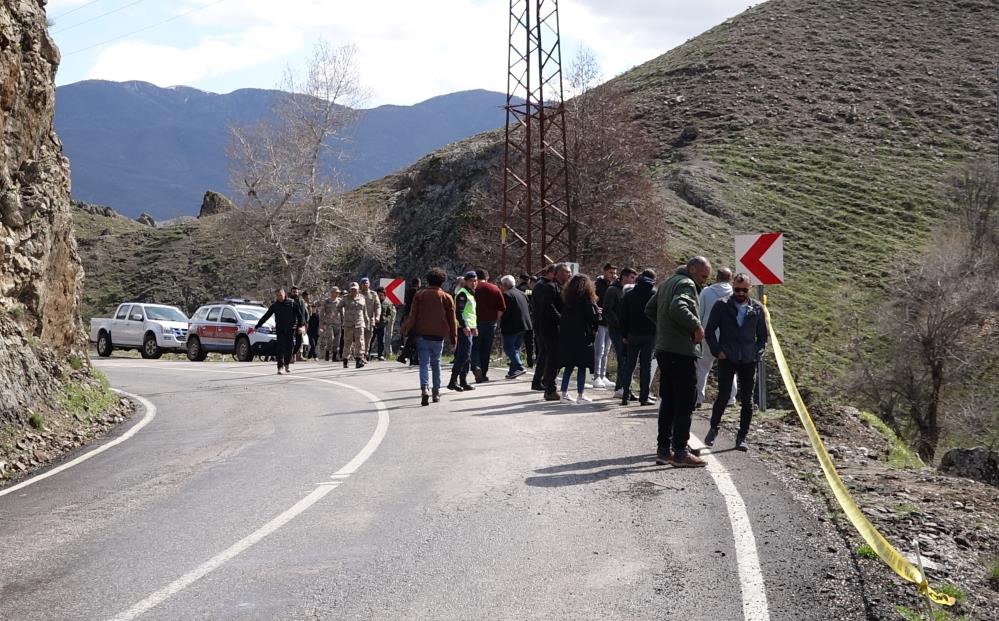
(640, 348)
(511, 347)
(580, 378)
(429, 353)
(621, 352)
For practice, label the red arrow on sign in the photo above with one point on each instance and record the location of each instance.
(390, 290)
(752, 259)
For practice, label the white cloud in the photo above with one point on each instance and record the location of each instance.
(213, 56)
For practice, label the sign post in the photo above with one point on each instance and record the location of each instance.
(395, 290)
(762, 257)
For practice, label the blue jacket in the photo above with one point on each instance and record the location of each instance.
(740, 344)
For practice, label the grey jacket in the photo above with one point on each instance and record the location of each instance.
(740, 344)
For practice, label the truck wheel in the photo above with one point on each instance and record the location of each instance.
(194, 351)
(150, 350)
(243, 351)
(104, 346)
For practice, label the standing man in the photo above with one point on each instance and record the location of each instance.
(296, 298)
(287, 319)
(602, 344)
(639, 337)
(548, 310)
(464, 307)
(489, 307)
(514, 324)
(742, 338)
(540, 295)
(313, 326)
(525, 286)
(374, 312)
(720, 291)
(330, 323)
(612, 315)
(407, 349)
(384, 325)
(679, 333)
(354, 309)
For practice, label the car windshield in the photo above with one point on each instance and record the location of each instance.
(165, 313)
(251, 313)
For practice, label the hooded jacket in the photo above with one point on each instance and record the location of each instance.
(633, 318)
(720, 291)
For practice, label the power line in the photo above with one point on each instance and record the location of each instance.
(82, 6)
(145, 28)
(97, 17)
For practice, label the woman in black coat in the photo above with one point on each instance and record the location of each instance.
(576, 331)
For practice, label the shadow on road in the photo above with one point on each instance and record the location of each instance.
(583, 472)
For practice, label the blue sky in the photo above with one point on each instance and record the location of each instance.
(409, 50)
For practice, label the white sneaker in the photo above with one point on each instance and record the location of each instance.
(600, 383)
(619, 393)
(567, 397)
(585, 397)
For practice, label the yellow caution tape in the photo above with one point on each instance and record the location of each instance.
(868, 531)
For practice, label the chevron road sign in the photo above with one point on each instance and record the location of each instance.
(761, 256)
(395, 289)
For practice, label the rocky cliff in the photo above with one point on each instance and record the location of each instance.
(40, 272)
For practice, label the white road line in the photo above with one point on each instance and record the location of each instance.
(150, 415)
(302, 505)
(754, 592)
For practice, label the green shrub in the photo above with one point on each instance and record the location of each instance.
(75, 362)
(994, 573)
(16, 311)
(866, 551)
(84, 400)
(37, 421)
(900, 456)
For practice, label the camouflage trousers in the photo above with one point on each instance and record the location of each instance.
(353, 342)
(329, 342)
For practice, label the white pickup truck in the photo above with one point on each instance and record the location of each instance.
(150, 328)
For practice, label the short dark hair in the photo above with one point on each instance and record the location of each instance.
(628, 271)
(415, 281)
(550, 269)
(294, 288)
(436, 277)
(609, 266)
(649, 273)
(482, 274)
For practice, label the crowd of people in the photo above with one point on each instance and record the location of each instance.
(562, 322)
(571, 323)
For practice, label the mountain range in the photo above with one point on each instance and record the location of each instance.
(139, 148)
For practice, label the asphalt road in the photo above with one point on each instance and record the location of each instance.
(330, 494)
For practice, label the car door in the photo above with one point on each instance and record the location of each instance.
(207, 331)
(135, 325)
(228, 328)
(119, 324)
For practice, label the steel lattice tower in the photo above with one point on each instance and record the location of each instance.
(537, 227)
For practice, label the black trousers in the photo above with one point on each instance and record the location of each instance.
(297, 347)
(747, 376)
(677, 398)
(284, 347)
(313, 343)
(539, 362)
(551, 364)
(529, 347)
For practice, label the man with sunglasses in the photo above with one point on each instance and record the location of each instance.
(740, 341)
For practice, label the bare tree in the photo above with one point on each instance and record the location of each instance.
(937, 325)
(285, 168)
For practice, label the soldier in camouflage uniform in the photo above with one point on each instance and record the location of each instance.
(374, 314)
(330, 325)
(356, 322)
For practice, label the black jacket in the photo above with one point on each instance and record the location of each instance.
(547, 300)
(611, 304)
(632, 315)
(575, 336)
(740, 344)
(517, 317)
(287, 315)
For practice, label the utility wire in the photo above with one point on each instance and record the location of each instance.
(145, 28)
(97, 17)
(82, 6)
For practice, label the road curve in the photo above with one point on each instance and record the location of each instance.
(490, 502)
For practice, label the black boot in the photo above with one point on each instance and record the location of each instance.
(346, 363)
(435, 396)
(464, 383)
(358, 363)
(424, 397)
(453, 384)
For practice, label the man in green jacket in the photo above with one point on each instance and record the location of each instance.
(679, 333)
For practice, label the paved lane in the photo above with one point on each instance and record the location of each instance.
(491, 502)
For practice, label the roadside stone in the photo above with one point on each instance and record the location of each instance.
(979, 464)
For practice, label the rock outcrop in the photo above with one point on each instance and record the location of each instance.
(146, 219)
(978, 464)
(214, 203)
(40, 273)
